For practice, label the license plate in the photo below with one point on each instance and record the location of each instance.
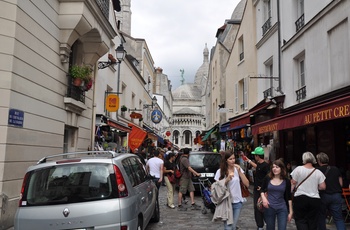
(207, 174)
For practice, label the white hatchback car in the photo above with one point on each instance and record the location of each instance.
(87, 190)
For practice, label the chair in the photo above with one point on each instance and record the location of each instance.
(346, 194)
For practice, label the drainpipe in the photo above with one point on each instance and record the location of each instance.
(279, 48)
(93, 123)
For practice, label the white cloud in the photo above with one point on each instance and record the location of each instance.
(176, 31)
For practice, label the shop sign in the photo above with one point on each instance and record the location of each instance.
(112, 102)
(329, 111)
(16, 117)
(156, 116)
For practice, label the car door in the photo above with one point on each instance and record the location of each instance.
(144, 188)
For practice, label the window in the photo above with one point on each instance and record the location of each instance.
(188, 137)
(245, 94)
(236, 98)
(267, 16)
(176, 137)
(69, 139)
(241, 48)
(301, 77)
(135, 171)
(300, 9)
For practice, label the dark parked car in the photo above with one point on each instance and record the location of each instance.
(205, 163)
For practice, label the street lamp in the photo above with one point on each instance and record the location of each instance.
(120, 53)
(154, 102)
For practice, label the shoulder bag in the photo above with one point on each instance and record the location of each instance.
(296, 188)
(244, 189)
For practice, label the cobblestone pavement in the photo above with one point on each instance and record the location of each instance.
(172, 219)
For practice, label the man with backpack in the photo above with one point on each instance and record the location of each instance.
(186, 183)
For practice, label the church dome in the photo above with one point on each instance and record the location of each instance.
(238, 12)
(187, 92)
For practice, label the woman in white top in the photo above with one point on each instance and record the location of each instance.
(232, 174)
(307, 202)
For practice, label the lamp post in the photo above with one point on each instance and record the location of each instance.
(120, 53)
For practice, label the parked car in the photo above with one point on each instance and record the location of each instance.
(87, 190)
(206, 163)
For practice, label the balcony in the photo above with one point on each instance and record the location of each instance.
(266, 26)
(241, 56)
(268, 93)
(300, 23)
(301, 93)
(75, 98)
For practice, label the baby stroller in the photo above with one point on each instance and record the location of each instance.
(206, 195)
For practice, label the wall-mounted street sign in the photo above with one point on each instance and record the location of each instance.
(225, 110)
(112, 102)
(16, 117)
(156, 116)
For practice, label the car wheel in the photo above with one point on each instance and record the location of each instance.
(156, 213)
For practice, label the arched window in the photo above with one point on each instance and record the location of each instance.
(176, 137)
(188, 137)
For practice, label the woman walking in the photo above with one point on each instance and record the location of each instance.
(276, 197)
(169, 168)
(232, 174)
(307, 202)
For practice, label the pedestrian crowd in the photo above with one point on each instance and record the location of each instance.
(281, 192)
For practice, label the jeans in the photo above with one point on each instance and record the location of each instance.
(236, 210)
(155, 180)
(270, 215)
(332, 203)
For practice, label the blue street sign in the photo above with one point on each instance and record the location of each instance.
(16, 117)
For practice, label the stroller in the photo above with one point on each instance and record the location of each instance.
(206, 195)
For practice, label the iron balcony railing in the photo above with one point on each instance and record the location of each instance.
(300, 23)
(75, 92)
(241, 56)
(268, 93)
(301, 93)
(266, 26)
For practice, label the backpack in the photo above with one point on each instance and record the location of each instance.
(177, 171)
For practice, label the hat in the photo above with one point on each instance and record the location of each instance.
(258, 151)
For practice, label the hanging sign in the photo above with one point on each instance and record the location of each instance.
(156, 116)
(112, 102)
(168, 133)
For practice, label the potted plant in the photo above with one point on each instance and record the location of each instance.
(80, 74)
(123, 108)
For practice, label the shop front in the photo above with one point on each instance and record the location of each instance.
(111, 134)
(323, 126)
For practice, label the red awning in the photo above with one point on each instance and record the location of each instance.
(334, 109)
(239, 122)
(117, 125)
(136, 136)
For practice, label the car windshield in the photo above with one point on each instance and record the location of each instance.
(205, 160)
(68, 184)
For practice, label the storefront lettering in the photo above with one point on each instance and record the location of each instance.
(268, 128)
(328, 114)
(341, 111)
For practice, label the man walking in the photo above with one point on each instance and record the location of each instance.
(155, 168)
(261, 170)
(186, 183)
(331, 198)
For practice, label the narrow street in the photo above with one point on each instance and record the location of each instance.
(172, 219)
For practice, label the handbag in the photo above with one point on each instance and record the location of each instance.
(171, 178)
(259, 203)
(244, 189)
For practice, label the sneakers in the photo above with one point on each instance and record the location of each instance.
(181, 208)
(195, 207)
(171, 206)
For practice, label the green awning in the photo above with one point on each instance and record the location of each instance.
(208, 134)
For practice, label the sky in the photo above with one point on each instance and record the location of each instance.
(176, 32)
